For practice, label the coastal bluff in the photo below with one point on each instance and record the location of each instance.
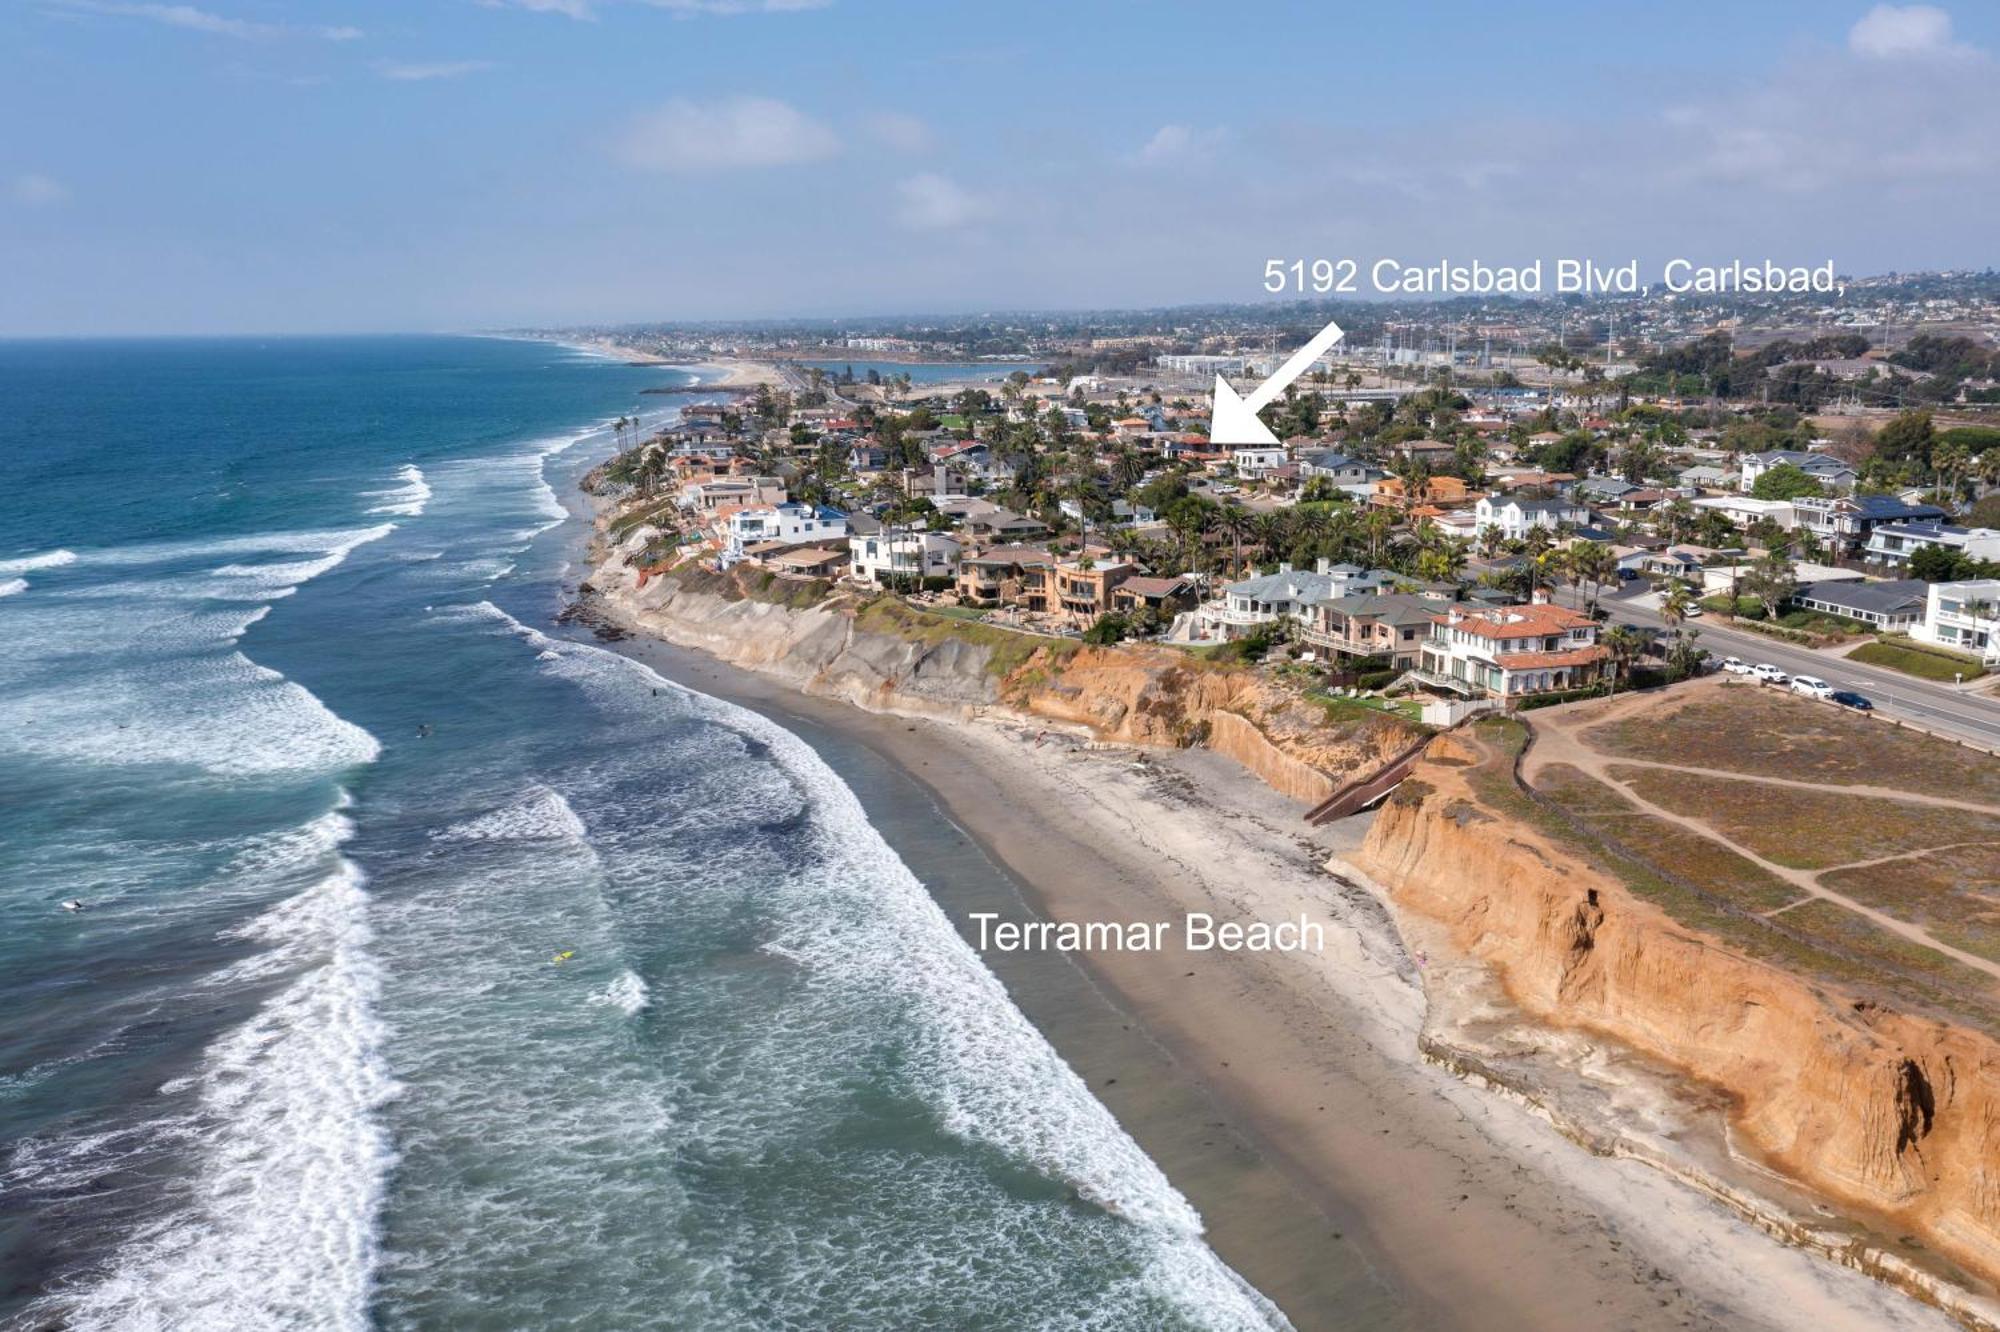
(1894, 1114)
(887, 656)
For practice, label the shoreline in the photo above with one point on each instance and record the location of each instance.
(1467, 1208)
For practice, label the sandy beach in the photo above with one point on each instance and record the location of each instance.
(1325, 1144)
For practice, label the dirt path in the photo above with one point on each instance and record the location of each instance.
(1559, 740)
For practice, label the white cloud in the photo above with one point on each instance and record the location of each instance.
(1179, 144)
(930, 202)
(738, 6)
(423, 72)
(38, 191)
(1901, 32)
(587, 9)
(905, 134)
(202, 20)
(736, 132)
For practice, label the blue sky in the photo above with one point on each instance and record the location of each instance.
(252, 165)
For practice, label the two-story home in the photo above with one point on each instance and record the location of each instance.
(790, 523)
(1963, 616)
(1257, 460)
(1083, 588)
(1394, 625)
(1004, 576)
(899, 557)
(1515, 518)
(1254, 603)
(1832, 474)
(1511, 652)
(1846, 522)
(707, 497)
(1892, 544)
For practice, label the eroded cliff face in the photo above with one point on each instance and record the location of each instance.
(1132, 693)
(1892, 1114)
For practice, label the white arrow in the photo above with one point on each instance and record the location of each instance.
(1234, 418)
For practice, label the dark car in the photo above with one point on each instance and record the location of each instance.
(1847, 698)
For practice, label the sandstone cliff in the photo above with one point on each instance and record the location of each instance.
(1895, 1116)
(886, 657)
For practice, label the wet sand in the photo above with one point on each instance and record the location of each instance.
(1354, 1184)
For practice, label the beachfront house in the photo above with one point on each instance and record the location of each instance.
(1254, 603)
(790, 524)
(1392, 625)
(1512, 652)
(899, 557)
(1963, 616)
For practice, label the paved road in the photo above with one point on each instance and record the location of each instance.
(1974, 717)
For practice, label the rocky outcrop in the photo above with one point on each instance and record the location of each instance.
(886, 657)
(1893, 1115)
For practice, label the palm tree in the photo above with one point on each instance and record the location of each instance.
(1679, 601)
(1623, 645)
(1234, 521)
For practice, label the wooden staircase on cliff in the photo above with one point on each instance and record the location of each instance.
(1365, 791)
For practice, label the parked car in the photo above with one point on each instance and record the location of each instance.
(1766, 673)
(1693, 612)
(1736, 665)
(1812, 686)
(1847, 698)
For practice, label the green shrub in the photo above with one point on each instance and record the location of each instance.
(1921, 660)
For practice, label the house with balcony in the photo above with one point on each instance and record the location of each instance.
(787, 524)
(899, 557)
(1845, 523)
(1963, 616)
(1892, 544)
(1004, 576)
(1165, 597)
(1391, 625)
(1083, 588)
(1513, 652)
(1250, 605)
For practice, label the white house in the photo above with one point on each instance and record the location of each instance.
(1835, 475)
(1507, 652)
(1517, 517)
(1965, 617)
(1744, 510)
(1892, 544)
(1258, 460)
(900, 557)
(791, 522)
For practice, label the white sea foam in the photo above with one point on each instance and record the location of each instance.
(292, 1158)
(869, 937)
(13, 587)
(289, 1158)
(407, 498)
(627, 993)
(51, 559)
(168, 685)
(539, 815)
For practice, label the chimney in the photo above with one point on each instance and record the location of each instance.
(1541, 596)
(1284, 566)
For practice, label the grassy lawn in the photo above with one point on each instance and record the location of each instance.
(1922, 661)
(1955, 894)
(1807, 829)
(956, 612)
(1768, 733)
(1339, 707)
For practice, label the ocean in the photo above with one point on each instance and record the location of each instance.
(438, 967)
